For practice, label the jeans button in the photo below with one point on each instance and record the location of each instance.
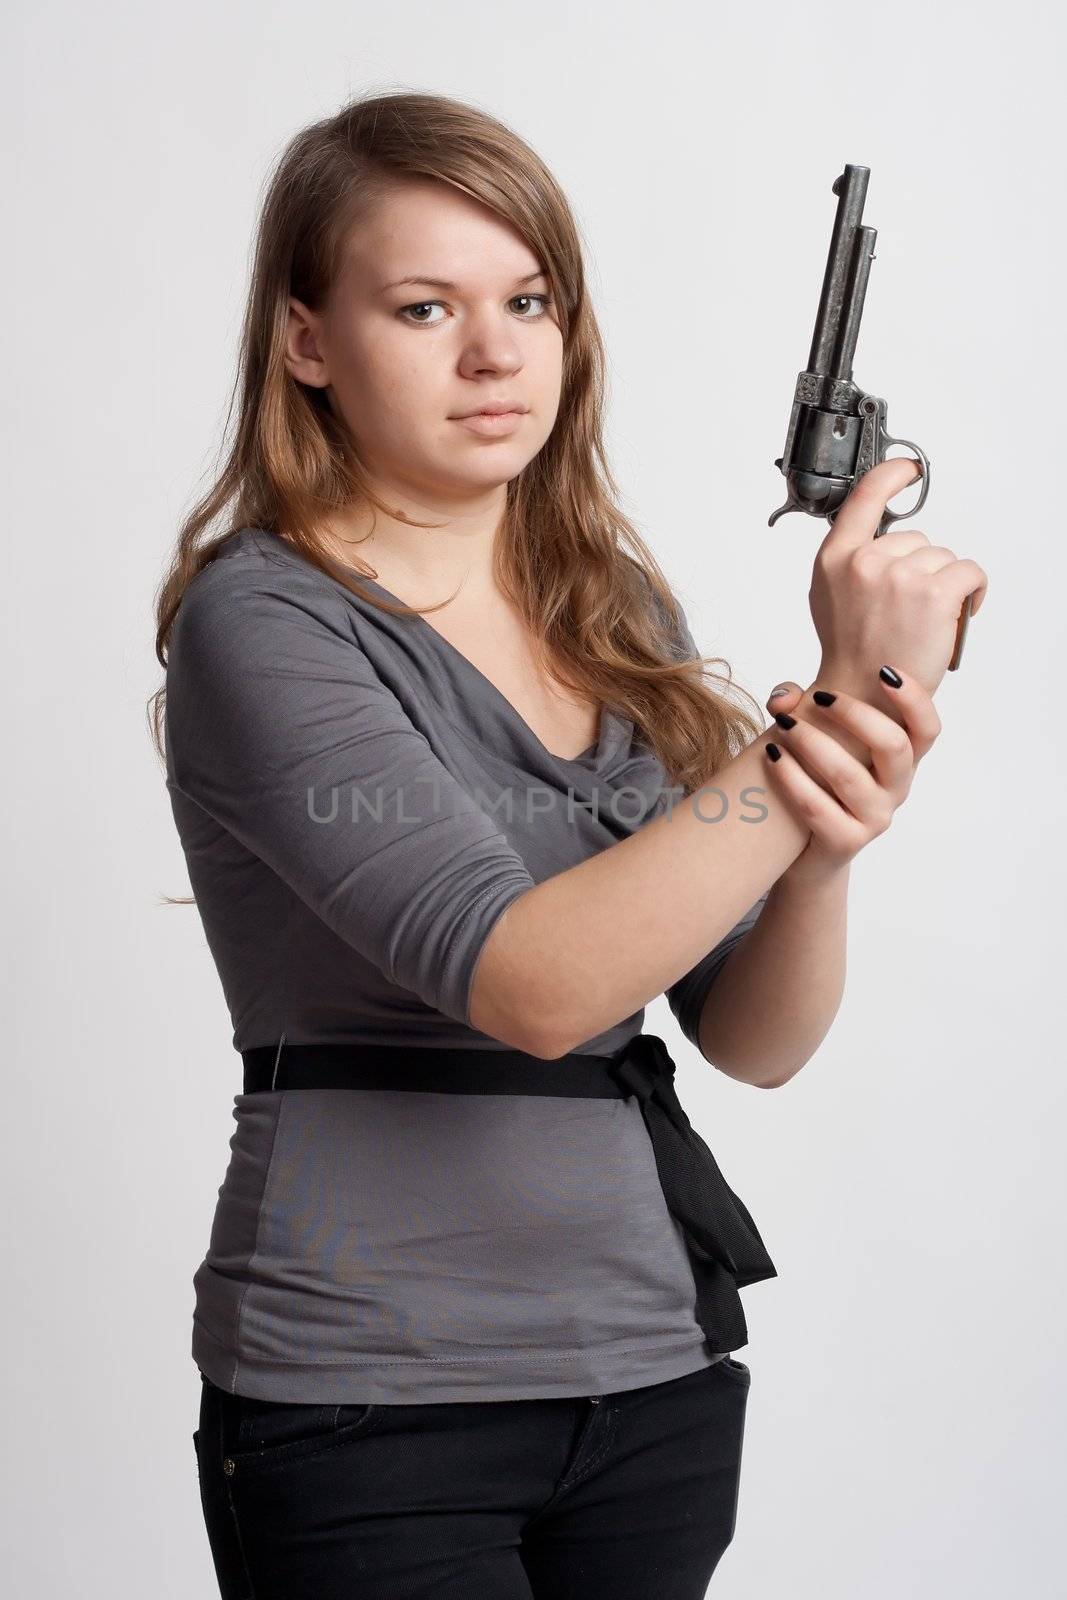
(228, 1466)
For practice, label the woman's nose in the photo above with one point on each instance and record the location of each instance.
(491, 346)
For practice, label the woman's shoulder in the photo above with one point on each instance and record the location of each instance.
(254, 572)
(250, 555)
(257, 603)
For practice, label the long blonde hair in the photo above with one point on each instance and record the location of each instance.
(578, 570)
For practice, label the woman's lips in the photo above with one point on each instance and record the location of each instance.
(485, 422)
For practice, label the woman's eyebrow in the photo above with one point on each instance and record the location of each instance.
(442, 283)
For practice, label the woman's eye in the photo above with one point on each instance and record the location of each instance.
(421, 306)
(544, 300)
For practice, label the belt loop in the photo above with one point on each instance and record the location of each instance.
(277, 1058)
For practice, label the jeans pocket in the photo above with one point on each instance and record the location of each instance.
(272, 1432)
(736, 1371)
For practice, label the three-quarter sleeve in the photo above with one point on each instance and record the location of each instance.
(279, 728)
(686, 997)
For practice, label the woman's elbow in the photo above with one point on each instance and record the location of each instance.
(503, 1004)
(500, 1015)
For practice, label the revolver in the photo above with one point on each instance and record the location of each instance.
(837, 432)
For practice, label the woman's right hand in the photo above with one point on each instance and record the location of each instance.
(896, 598)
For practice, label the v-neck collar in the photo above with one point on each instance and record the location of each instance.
(587, 758)
(499, 696)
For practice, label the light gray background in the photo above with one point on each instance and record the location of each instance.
(905, 1420)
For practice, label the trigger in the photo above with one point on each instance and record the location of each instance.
(773, 518)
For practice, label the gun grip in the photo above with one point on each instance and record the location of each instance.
(961, 633)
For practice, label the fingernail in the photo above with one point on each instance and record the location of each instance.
(774, 752)
(784, 720)
(775, 693)
(894, 679)
(823, 697)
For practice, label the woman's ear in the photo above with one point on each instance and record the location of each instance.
(303, 355)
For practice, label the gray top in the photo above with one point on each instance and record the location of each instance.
(357, 805)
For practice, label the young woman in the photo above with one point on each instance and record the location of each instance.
(443, 757)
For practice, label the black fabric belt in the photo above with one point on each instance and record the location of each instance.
(725, 1248)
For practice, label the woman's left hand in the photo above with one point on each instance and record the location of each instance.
(844, 803)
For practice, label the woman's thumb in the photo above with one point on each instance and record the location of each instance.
(784, 696)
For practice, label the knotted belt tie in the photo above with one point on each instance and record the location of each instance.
(725, 1248)
(723, 1243)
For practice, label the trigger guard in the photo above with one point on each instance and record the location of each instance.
(889, 517)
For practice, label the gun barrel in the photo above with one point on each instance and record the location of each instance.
(851, 189)
(855, 293)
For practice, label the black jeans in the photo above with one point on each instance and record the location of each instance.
(626, 1496)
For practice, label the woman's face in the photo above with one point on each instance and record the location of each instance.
(403, 361)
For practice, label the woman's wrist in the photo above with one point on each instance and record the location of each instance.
(846, 679)
(814, 874)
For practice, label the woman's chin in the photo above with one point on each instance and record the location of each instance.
(492, 470)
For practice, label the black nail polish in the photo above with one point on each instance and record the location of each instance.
(823, 697)
(894, 679)
(784, 720)
(774, 752)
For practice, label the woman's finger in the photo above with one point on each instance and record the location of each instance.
(863, 790)
(857, 520)
(960, 579)
(930, 558)
(785, 696)
(835, 829)
(891, 754)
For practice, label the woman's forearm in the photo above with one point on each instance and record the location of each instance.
(773, 1002)
(596, 943)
